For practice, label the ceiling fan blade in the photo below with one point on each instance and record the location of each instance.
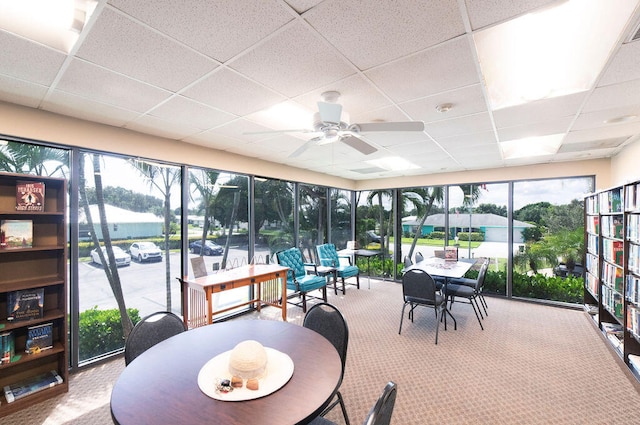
(304, 147)
(388, 126)
(330, 112)
(358, 144)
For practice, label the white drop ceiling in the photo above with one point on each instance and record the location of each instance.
(200, 72)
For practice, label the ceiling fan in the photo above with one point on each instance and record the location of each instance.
(330, 125)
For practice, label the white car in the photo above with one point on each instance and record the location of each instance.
(122, 258)
(145, 251)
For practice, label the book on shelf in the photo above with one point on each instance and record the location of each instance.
(7, 345)
(31, 385)
(16, 234)
(39, 337)
(30, 196)
(25, 304)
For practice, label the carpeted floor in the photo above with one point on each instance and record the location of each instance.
(532, 364)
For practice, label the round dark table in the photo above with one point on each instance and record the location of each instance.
(161, 385)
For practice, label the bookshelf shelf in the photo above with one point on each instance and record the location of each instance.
(35, 265)
(612, 281)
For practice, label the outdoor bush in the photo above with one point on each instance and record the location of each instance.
(436, 235)
(101, 331)
(475, 236)
(538, 286)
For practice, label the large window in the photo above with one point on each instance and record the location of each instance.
(340, 217)
(548, 238)
(423, 225)
(128, 237)
(273, 222)
(313, 219)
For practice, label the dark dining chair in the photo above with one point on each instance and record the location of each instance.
(149, 331)
(327, 320)
(299, 279)
(472, 283)
(407, 261)
(469, 293)
(419, 289)
(380, 413)
(419, 257)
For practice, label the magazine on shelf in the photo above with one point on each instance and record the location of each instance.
(30, 196)
(39, 337)
(16, 234)
(25, 304)
(31, 385)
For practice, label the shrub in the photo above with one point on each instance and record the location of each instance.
(101, 331)
(475, 236)
(436, 235)
(538, 286)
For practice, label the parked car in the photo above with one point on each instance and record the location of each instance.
(145, 251)
(122, 258)
(561, 270)
(371, 235)
(210, 248)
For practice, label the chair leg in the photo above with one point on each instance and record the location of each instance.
(324, 293)
(344, 409)
(437, 325)
(484, 304)
(476, 312)
(402, 318)
(304, 302)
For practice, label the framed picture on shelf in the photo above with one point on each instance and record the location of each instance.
(30, 196)
(16, 234)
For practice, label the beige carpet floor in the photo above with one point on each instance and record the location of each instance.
(532, 364)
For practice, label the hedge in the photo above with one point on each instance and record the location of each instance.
(101, 331)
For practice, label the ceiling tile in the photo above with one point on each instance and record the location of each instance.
(468, 124)
(21, 92)
(153, 58)
(28, 61)
(292, 62)
(615, 95)
(628, 114)
(86, 109)
(605, 132)
(557, 126)
(98, 84)
(367, 42)
(220, 29)
(188, 112)
(302, 6)
(625, 65)
(231, 92)
(428, 72)
(487, 12)
(464, 101)
(539, 111)
(467, 142)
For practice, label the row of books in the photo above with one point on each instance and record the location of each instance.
(592, 263)
(632, 197)
(613, 251)
(632, 291)
(592, 283)
(633, 320)
(612, 226)
(613, 302)
(591, 205)
(610, 201)
(31, 385)
(634, 258)
(39, 338)
(592, 244)
(615, 335)
(633, 227)
(593, 224)
(612, 276)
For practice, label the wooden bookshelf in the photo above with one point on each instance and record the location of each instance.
(612, 279)
(41, 265)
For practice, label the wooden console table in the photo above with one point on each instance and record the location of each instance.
(270, 289)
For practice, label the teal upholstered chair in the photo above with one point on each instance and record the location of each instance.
(328, 257)
(298, 278)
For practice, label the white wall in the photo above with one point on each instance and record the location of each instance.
(20, 121)
(625, 166)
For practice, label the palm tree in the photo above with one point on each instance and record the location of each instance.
(110, 266)
(163, 178)
(33, 159)
(204, 182)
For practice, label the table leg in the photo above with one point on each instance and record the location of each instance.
(284, 299)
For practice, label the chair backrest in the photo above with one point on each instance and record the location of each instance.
(407, 261)
(292, 258)
(380, 413)
(198, 266)
(482, 274)
(149, 331)
(327, 320)
(417, 283)
(419, 257)
(327, 255)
